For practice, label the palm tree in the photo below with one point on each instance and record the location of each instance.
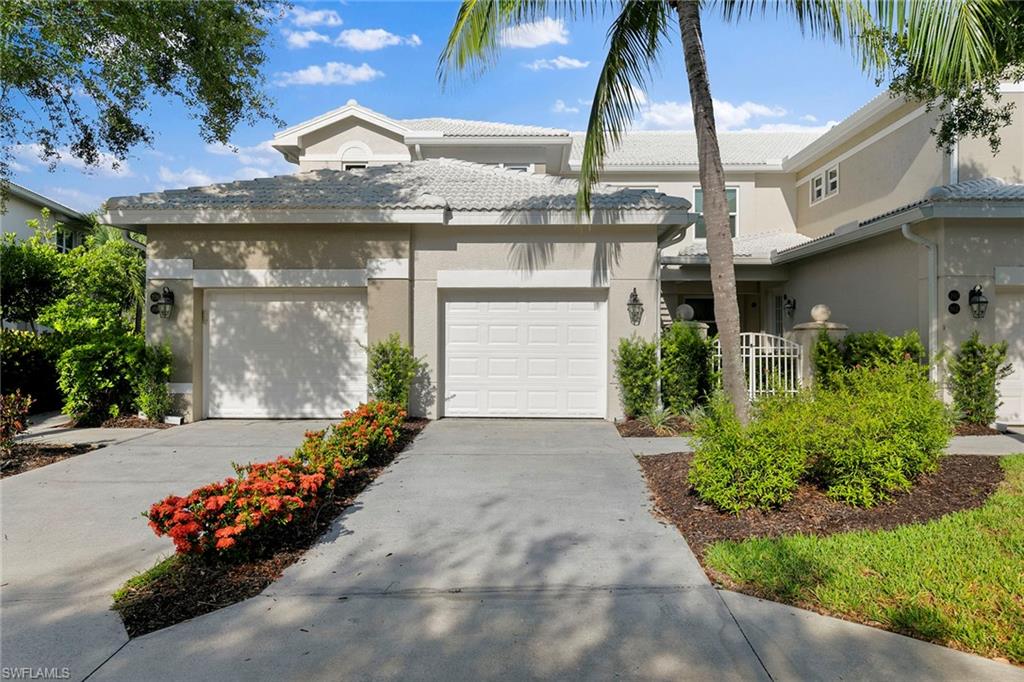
(945, 40)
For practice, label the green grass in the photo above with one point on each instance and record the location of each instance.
(958, 580)
(148, 576)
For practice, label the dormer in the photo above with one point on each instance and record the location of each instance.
(354, 136)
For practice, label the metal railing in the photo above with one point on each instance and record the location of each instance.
(771, 364)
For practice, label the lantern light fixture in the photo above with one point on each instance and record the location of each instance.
(635, 308)
(978, 302)
(163, 302)
(790, 306)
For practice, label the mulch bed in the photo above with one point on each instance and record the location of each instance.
(961, 482)
(639, 428)
(193, 587)
(133, 422)
(28, 456)
(975, 430)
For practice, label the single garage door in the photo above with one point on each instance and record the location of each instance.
(525, 354)
(285, 353)
(1010, 326)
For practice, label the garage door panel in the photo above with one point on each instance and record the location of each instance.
(530, 358)
(1010, 327)
(285, 353)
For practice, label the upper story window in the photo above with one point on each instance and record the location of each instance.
(700, 230)
(64, 240)
(825, 185)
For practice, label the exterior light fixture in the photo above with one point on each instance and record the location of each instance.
(790, 306)
(977, 301)
(635, 308)
(163, 302)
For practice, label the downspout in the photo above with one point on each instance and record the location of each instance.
(933, 296)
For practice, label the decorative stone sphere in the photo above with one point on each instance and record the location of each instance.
(684, 312)
(821, 313)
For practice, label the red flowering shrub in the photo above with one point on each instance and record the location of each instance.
(365, 432)
(233, 514)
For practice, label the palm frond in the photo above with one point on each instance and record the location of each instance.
(634, 40)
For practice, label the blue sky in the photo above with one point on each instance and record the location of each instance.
(764, 74)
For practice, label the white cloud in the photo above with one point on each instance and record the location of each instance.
(331, 73)
(561, 107)
(728, 116)
(790, 128)
(810, 118)
(108, 165)
(314, 17)
(370, 39)
(561, 62)
(76, 199)
(535, 34)
(300, 40)
(189, 176)
(258, 156)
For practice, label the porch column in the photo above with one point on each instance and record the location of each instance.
(806, 335)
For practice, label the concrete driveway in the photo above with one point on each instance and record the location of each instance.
(519, 550)
(73, 531)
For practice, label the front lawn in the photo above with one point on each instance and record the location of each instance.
(957, 580)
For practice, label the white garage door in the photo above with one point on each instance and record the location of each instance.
(517, 354)
(285, 353)
(1010, 323)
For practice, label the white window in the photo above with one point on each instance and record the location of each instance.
(353, 166)
(64, 240)
(732, 195)
(825, 185)
(518, 167)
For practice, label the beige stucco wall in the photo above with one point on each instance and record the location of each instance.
(18, 212)
(871, 285)
(975, 158)
(893, 171)
(619, 258)
(268, 247)
(330, 141)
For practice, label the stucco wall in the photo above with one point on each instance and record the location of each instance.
(619, 258)
(19, 211)
(895, 170)
(336, 141)
(975, 158)
(871, 285)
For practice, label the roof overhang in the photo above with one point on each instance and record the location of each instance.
(440, 140)
(28, 195)
(696, 259)
(575, 165)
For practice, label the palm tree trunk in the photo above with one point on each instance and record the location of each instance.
(716, 208)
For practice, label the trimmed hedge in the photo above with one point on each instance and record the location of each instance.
(974, 375)
(685, 368)
(636, 367)
(864, 349)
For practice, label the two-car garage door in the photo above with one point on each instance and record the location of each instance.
(285, 352)
(525, 354)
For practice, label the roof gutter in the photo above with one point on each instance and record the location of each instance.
(933, 293)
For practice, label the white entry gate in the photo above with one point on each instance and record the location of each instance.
(771, 363)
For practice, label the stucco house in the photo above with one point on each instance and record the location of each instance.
(23, 205)
(462, 237)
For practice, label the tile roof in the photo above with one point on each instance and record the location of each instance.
(983, 189)
(758, 245)
(428, 184)
(679, 148)
(457, 127)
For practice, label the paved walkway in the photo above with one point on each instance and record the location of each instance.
(73, 533)
(520, 550)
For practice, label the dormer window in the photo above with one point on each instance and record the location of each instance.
(825, 185)
(517, 167)
(353, 166)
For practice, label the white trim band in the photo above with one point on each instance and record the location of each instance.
(1009, 276)
(509, 279)
(180, 389)
(169, 268)
(231, 278)
(387, 268)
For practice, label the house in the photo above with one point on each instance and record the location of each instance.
(461, 237)
(23, 205)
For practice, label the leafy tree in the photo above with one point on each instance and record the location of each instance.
(30, 274)
(77, 76)
(946, 41)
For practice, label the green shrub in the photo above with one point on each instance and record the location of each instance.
(30, 274)
(864, 349)
(685, 368)
(636, 366)
(761, 465)
(363, 433)
(97, 378)
(974, 375)
(153, 398)
(28, 363)
(876, 430)
(392, 368)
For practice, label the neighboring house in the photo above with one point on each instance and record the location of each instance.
(23, 205)
(516, 304)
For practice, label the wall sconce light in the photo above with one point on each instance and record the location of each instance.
(977, 301)
(163, 302)
(635, 308)
(790, 306)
